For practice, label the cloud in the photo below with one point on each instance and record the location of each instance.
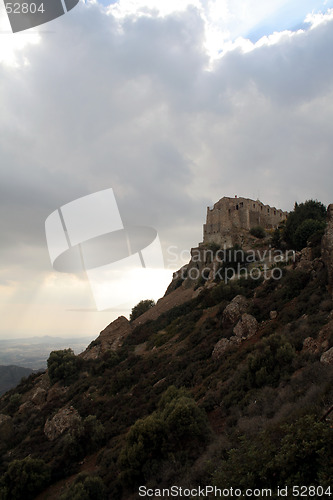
(134, 103)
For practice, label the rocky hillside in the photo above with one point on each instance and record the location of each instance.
(226, 383)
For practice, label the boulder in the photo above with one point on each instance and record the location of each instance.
(111, 338)
(234, 310)
(327, 357)
(273, 314)
(310, 345)
(64, 420)
(220, 348)
(246, 327)
(39, 396)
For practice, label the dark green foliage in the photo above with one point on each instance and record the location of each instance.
(296, 233)
(296, 453)
(214, 247)
(63, 366)
(178, 426)
(258, 232)
(24, 479)
(86, 487)
(293, 283)
(270, 362)
(140, 308)
(276, 238)
(307, 229)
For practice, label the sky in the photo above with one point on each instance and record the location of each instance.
(173, 105)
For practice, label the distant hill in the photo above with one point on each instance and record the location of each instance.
(32, 352)
(11, 375)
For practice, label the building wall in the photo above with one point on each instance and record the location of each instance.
(231, 214)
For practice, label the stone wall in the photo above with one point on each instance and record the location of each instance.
(230, 215)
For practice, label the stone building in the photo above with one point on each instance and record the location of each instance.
(230, 216)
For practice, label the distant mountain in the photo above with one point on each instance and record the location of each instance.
(11, 375)
(33, 352)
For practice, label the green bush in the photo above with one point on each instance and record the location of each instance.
(306, 230)
(62, 366)
(24, 479)
(310, 210)
(258, 232)
(276, 238)
(177, 427)
(140, 308)
(292, 454)
(145, 447)
(86, 487)
(270, 362)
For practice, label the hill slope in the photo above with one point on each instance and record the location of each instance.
(11, 375)
(229, 385)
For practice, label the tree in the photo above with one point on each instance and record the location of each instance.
(141, 307)
(62, 366)
(306, 230)
(310, 210)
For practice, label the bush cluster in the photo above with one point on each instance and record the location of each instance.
(177, 426)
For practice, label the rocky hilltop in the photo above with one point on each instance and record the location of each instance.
(226, 381)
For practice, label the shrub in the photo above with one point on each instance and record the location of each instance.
(292, 454)
(24, 479)
(258, 232)
(145, 445)
(177, 428)
(62, 366)
(311, 209)
(86, 487)
(306, 230)
(268, 364)
(140, 308)
(276, 238)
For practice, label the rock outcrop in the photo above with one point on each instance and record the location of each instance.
(327, 357)
(66, 419)
(234, 310)
(327, 246)
(111, 338)
(246, 327)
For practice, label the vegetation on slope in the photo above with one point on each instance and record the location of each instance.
(161, 410)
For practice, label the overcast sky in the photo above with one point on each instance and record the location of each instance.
(173, 104)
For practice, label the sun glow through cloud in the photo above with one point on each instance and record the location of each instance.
(119, 94)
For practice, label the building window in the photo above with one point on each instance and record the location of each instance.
(241, 205)
(236, 207)
(254, 205)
